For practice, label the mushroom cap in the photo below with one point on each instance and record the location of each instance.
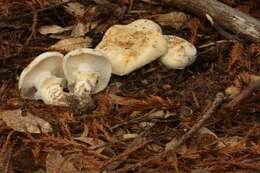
(47, 61)
(90, 60)
(145, 24)
(181, 53)
(129, 48)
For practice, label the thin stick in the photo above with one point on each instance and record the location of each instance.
(218, 100)
(216, 103)
(214, 43)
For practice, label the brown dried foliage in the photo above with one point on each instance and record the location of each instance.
(235, 54)
(183, 95)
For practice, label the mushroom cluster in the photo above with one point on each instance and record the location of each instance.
(132, 46)
(85, 71)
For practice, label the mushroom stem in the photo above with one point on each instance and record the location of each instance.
(50, 90)
(85, 83)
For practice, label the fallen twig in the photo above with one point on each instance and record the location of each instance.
(218, 100)
(222, 15)
(221, 31)
(216, 103)
(214, 43)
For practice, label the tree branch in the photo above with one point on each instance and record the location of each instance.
(227, 17)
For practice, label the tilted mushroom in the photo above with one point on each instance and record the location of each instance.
(43, 79)
(87, 71)
(181, 53)
(132, 46)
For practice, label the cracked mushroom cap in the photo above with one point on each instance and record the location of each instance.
(129, 48)
(47, 61)
(145, 24)
(181, 53)
(89, 60)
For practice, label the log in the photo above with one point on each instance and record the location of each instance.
(231, 19)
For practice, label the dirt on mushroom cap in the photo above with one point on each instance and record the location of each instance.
(129, 49)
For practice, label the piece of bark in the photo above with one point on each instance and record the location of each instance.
(227, 17)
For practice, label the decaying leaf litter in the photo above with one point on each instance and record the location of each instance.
(140, 117)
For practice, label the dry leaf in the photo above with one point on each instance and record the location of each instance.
(78, 30)
(28, 123)
(157, 114)
(203, 138)
(55, 163)
(5, 155)
(173, 19)
(53, 29)
(231, 143)
(69, 44)
(90, 26)
(161, 114)
(193, 25)
(130, 136)
(75, 9)
(206, 137)
(102, 2)
(235, 54)
(155, 148)
(94, 143)
(180, 150)
(232, 91)
(249, 78)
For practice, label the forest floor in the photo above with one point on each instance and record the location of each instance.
(138, 118)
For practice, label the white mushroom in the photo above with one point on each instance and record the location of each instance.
(87, 71)
(181, 53)
(132, 46)
(43, 79)
(145, 24)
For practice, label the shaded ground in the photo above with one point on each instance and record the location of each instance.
(117, 134)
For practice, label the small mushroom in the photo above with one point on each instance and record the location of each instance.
(87, 71)
(132, 46)
(43, 79)
(181, 53)
(145, 24)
